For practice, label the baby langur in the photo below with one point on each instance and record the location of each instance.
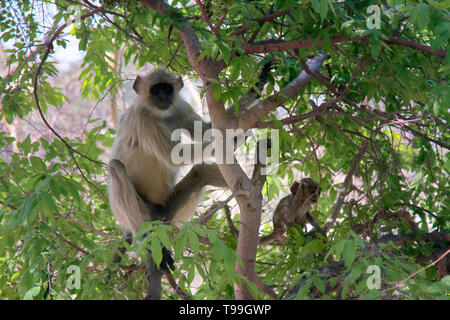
(294, 208)
(142, 174)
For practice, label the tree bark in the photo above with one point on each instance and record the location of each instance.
(246, 192)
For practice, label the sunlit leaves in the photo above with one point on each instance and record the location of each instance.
(420, 14)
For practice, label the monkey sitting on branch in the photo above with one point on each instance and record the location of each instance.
(294, 209)
(142, 173)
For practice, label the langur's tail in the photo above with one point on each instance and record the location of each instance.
(128, 207)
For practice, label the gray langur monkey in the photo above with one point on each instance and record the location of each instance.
(290, 212)
(294, 209)
(142, 174)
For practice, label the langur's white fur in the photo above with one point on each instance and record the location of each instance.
(143, 144)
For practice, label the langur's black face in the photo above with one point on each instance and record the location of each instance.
(158, 90)
(161, 95)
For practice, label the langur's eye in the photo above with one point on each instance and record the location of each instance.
(161, 88)
(154, 91)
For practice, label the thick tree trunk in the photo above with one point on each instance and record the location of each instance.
(246, 192)
(248, 241)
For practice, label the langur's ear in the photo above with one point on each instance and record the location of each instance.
(180, 82)
(136, 84)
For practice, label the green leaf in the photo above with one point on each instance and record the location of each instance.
(48, 203)
(25, 145)
(336, 249)
(345, 287)
(193, 241)
(201, 272)
(360, 287)
(191, 273)
(164, 238)
(156, 250)
(214, 51)
(180, 246)
(355, 273)
(358, 239)
(326, 41)
(446, 281)
(302, 294)
(20, 173)
(54, 187)
(316, 5)
(3, 209)
(31, 293)
(217, 92)
(37, 164)
(375, 49)
(420, 14)
(70, 186)
(225, 50)
(372, 295)
(27, 208)
(265, 29)
(229, 261)
(235, 69)
(349, 253)
(319, 284)
(323, 9)
(253, 289)
(212, 236)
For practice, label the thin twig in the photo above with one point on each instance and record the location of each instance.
(230, 223)
(205, 17)
(345, 187)
(183, 295)
(71, 150)
(81, 223)
(418, 271)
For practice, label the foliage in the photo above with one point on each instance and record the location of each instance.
(393, 99)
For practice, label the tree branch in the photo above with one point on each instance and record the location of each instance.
(205, 68)
(277, 46)
(247, 192)
(250, 117)
(183, 295)
(345, 187)
(49, 44)
(230, 223)
(205, 17)
(85, 225)
(418, 271)
(399, 238)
